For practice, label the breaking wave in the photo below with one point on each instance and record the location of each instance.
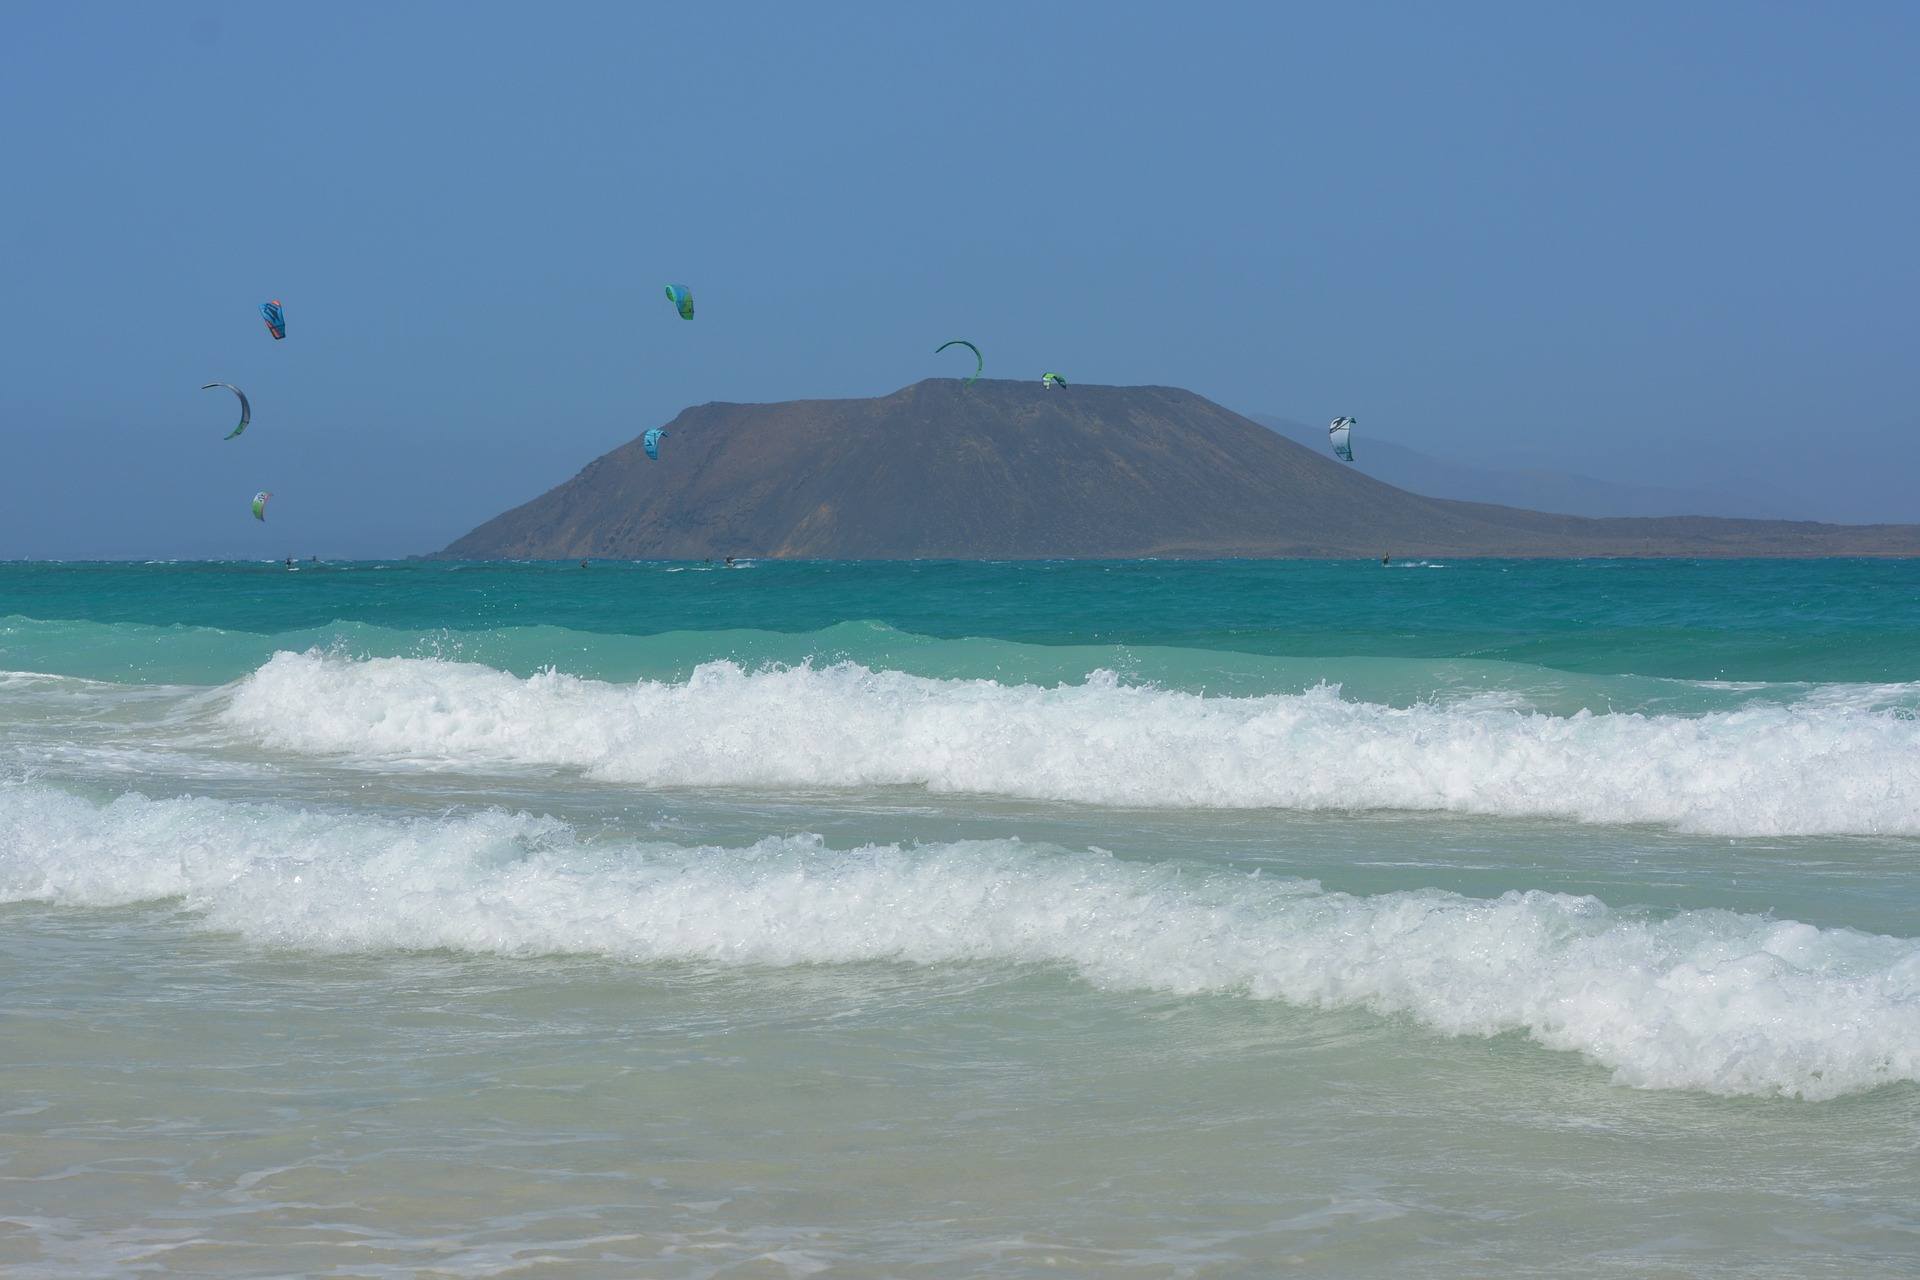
(1848, 763)
(1719, 1001)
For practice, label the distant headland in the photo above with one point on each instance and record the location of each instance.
(1013, 470)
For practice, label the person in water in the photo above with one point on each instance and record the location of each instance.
(1386, 559)
(729, 562)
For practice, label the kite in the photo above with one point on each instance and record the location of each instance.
(246, 410)
(979, 363)
(1337, 432)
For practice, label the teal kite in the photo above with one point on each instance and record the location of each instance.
(682, 299)
(978, 362)
(246, 410)
(651, 441)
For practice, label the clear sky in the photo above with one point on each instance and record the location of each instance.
(1655, 241)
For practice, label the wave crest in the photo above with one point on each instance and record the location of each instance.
(1709, 1000)
(1806, 768)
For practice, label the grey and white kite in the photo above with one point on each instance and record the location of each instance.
(1338, 432)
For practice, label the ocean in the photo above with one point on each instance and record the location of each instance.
(1455, 918)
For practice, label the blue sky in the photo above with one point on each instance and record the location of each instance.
(1637, 240)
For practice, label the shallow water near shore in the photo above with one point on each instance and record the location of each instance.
(956, 919)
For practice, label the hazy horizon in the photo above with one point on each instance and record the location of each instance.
(1646, 246)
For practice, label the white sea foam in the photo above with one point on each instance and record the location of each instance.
(1768, 769)
(1709, 1000)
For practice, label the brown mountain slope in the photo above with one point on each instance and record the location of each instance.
(1009, 470)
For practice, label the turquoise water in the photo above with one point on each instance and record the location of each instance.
(1777, 620)
(1455, 918)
